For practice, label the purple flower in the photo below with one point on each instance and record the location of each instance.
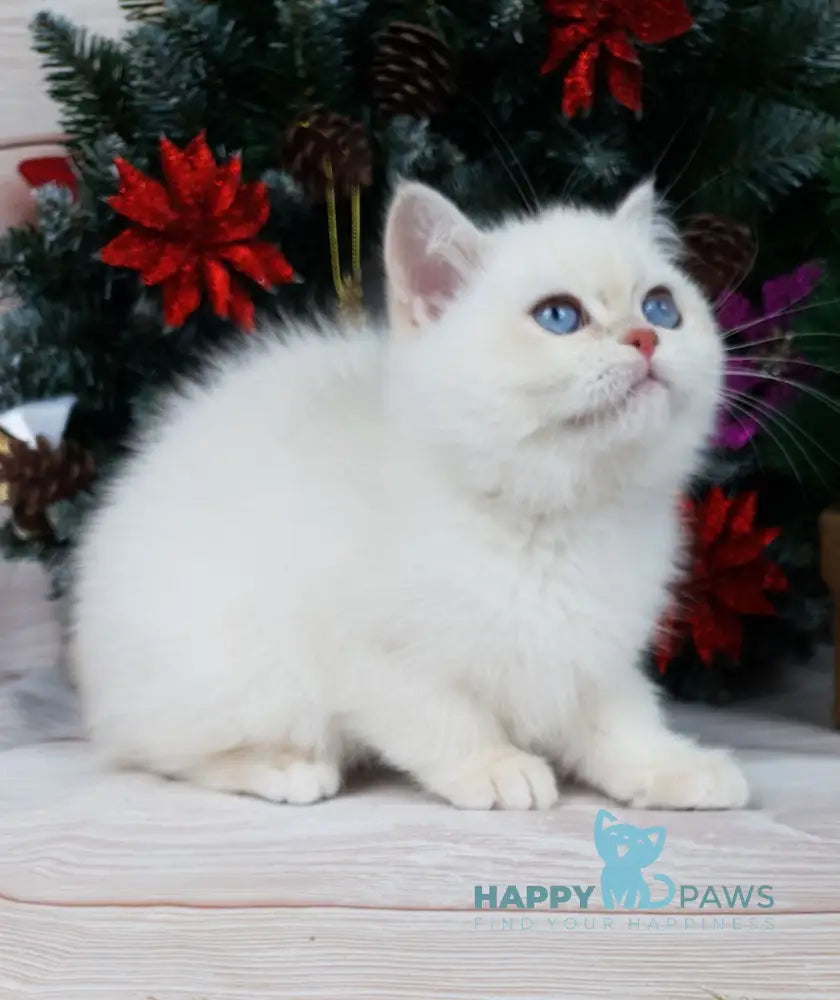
(764, 334)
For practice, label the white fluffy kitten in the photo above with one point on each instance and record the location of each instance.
(447, 546)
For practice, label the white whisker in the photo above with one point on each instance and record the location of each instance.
(533, 205)
(763, 359)
(781, 419)
(777, 315)
(823, 397)
(753, 415)
(781, 338)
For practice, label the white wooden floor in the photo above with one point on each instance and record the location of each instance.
(123, 887)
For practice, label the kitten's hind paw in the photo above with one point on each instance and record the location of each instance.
(277, 776)
(505, 778)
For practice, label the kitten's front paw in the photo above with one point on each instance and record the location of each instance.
(686, 777)
(506, 778)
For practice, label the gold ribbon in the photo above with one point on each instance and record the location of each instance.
(5, 449)
(348, 287)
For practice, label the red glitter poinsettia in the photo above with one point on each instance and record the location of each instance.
(588, 27)
(191, 234)
(730, 576)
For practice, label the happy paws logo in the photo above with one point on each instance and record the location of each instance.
(629, 882)
(626, 850)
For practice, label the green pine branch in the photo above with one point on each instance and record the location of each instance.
(787, 146)
(87, 76)
(201, 68)
(142, 10)
(259, 17)
(319, 43)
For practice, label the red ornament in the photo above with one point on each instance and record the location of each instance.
(588, 26)
(191, 234)
(729, 577)
(42, 170)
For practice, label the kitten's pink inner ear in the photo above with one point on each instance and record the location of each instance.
(430, 249)
(427, 281)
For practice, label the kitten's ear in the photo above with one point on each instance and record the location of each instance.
(431, 250)
(643, 210)
(656, 836)
(640, 206)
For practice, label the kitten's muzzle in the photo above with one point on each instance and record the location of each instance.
(645, 340)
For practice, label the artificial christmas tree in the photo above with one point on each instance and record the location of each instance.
(284, 124)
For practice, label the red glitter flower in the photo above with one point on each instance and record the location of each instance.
(588, 26)
(729, 577)
(191, 234)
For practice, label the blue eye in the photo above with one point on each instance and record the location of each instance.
(661, 310)
(559, 315)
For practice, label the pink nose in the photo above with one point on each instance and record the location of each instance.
(644, 341)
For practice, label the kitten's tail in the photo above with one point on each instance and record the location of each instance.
(669, 882)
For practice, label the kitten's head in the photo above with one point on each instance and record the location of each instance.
(552, 353)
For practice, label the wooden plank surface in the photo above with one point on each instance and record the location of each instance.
(52, 953)
(124, 887)
(73, 834)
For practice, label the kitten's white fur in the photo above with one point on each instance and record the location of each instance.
(448, 545)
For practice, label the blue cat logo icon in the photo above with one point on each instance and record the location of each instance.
(626, 850)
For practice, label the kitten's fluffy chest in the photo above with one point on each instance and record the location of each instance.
(523, 611)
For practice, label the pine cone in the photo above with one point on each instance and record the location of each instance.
(319, 136)
(718, 252)
(412, 71)
(34, 478)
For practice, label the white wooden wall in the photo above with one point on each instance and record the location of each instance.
(28, 120)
